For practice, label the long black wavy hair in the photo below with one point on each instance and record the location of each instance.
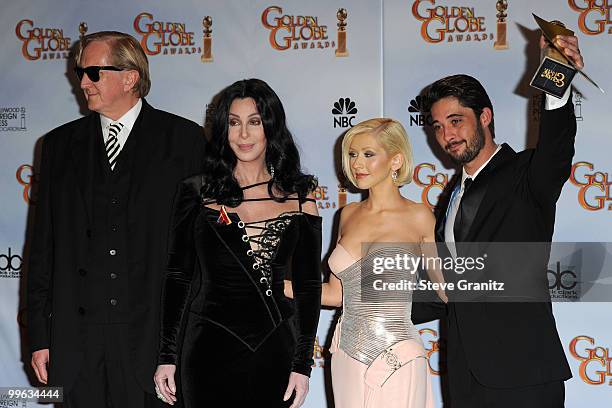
(281, 151)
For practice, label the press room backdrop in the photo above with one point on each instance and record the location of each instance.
(331, 70)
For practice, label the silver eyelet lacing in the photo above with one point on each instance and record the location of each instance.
(266, 243)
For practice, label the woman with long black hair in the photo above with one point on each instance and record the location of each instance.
(239, 230)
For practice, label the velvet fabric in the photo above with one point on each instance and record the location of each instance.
(234, 344)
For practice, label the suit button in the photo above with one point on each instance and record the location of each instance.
(88, 233)
(81, 311)
(113, 302)
(114, 228)
(82, 272)
(113, 275)
(112, 252)
(114, 200)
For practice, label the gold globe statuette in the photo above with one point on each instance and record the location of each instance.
(342, 196)
(82, 29)
(341, 51)
(501, 43)
(207, 45)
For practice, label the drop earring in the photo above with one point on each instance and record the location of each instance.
(394, 176)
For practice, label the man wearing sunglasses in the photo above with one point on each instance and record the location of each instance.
(107, 182)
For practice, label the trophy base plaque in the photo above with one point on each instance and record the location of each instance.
(553, 77)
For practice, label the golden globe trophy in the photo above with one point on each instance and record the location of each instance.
(341, 196)
(556, 72)
(341, 50)
(502, 35)
(207, 46)
(82, 29)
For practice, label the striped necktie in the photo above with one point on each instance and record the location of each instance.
(112, 143)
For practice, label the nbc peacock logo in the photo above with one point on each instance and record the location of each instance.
(417, 116)
(344, 112)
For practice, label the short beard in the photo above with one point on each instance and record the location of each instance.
(472, 149)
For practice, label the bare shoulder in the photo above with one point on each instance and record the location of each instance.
(348, 210)
(345, 214)
(419, 210)
(418, 215)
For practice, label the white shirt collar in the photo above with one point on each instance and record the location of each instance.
(465, 174)
(128, 119)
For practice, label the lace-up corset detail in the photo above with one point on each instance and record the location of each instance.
(262, 237)
(266, 244)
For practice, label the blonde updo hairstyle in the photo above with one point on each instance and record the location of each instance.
(392, 137)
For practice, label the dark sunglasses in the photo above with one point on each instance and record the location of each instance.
(93, 72)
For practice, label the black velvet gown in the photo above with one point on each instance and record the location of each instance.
(226, 323)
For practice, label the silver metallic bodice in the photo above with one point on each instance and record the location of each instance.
(373, 320)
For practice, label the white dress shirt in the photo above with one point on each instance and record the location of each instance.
(127, 120)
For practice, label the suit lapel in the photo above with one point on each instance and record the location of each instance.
(473, 202)
(470, 202)
(141, 151)
(83, 157)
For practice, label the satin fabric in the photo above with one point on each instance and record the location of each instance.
(357, 385)
(404, 384)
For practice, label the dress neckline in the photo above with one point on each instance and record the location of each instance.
(347, 252)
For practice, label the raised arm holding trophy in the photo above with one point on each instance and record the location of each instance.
(501, 196)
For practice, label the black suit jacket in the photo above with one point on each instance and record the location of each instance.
(168, 148)
(513, 199)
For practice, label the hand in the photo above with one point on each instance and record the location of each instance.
(299, 383)
(164, 383)
(442, 295)
(568, 44)
(40, 359)
(288, 289)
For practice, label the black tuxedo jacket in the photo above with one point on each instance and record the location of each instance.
(167, 149)
(513, 199)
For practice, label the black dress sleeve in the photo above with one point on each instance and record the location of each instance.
(306, 280)
(180, 268)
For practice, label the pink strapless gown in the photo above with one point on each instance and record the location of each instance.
(370, 369)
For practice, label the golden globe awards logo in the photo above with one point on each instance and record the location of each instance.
(295, 32)
(25, 176)
(42, 43)
(454, 24)
(594, 17)
(432, 183)
(323, 198)
(432, 348)
(595, 361)
(165, 38)
(594, 186)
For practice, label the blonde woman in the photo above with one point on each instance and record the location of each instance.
(378, 357)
